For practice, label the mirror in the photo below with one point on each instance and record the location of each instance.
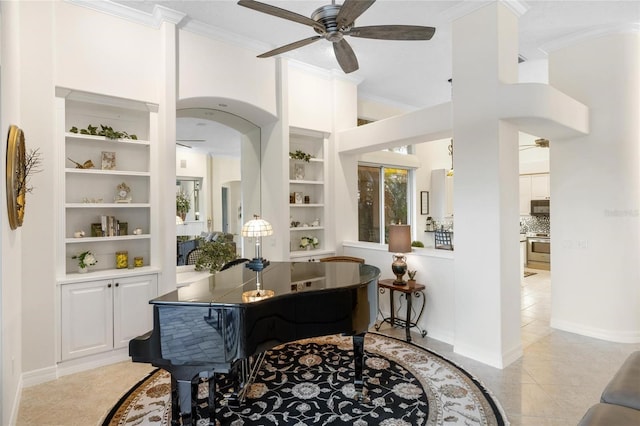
(218, 168)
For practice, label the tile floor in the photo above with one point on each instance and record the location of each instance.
(559, 377)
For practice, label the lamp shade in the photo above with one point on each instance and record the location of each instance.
(399, 238)
(256, 227)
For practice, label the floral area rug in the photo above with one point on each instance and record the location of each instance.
(310, 382)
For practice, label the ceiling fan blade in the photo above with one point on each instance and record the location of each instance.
(350, 10)
(393, 32)
(345, 56)
(290, 46)
(281, 13)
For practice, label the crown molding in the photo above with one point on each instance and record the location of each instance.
(160, 13)
(518, 7)
(582, 36)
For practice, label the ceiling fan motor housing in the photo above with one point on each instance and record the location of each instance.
(326, 15)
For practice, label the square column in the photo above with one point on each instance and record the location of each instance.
(486, 203)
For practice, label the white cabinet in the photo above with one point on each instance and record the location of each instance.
(307, 194)
(104, 314)
(525, 195)
(540, 187)
(533, 187)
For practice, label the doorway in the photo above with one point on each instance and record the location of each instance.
(535, 236)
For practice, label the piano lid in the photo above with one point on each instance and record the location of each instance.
(281, 278)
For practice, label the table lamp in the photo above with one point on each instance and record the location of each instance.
(399, 243)
(257, 228)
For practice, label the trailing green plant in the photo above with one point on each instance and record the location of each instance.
(214, 254)
(417, 244)
(106, 131)
(300, 155)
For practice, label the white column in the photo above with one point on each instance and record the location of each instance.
(595, 191)
(164, 120)
(487, 283)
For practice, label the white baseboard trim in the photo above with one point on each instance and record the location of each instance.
(13, 418)
(497, 360)
(42, 375)
(88, 363)
(63, 368)
(597, 333)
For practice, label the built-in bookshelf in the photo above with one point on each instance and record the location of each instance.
(307, 193)
(106, 183)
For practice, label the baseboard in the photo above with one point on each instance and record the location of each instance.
(42, 375)
(597, 333)
(13, 418)
(492, 359)
(90, 362)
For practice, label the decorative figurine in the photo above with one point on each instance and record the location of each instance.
(123, 195)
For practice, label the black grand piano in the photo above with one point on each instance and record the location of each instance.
(224, 323)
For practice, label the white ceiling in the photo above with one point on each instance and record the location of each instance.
(408, 73)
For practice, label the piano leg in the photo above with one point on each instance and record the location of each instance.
(175, 404)
(212, 400)
(358, 361)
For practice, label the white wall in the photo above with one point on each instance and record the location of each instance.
(223, 171)
(310, 98)
(434, 270)
(213, 69)
(12, 241)
(99, 53)
(595, 188)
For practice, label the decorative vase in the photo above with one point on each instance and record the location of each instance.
(83, 270)
(308, 248)
(183, 216)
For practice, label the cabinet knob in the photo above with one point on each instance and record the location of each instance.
(109, 285)
(117, 284)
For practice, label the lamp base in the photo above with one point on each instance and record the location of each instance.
(399, 281)
(257, 264)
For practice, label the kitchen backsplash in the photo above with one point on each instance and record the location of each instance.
(535, 224)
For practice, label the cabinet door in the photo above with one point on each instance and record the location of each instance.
(525, 195)
(87, 321)
(132, 313)
(540, 187)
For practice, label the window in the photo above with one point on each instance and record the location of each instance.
(383, 199)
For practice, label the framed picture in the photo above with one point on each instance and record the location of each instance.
(298, 197)
(424, 202)
(299, 171)
(108, 160)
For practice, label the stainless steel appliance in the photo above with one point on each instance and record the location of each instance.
(539, 251)
(540, 207)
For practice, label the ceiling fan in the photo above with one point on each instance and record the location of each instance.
(333, 22)
(184, 142)
(538, 143)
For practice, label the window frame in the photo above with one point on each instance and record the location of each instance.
(381, 207)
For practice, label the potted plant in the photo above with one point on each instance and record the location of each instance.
(85, 259)
(183, 204)
(214, 254)
(412, 277)
(300, 155)
(307, 242)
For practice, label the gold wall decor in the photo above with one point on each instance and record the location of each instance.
(16, 176)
